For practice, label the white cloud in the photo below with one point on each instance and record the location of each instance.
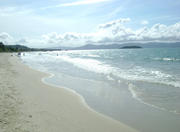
(9, 40)
(144, 22)
(160, 32)
(6, 38)
(112, 32)
(66, 39)
(116, 22)
(117, 33)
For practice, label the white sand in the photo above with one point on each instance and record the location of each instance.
(28, 105)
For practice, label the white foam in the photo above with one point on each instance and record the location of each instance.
(148, 75)
(136, 73)
(167, 59)
(136, 95)
(94, 56)
(133, 92)
(88, 64)
(109, 78)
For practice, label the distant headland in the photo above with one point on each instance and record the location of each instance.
(21, 48)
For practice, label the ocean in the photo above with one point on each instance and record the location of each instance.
(139, 87)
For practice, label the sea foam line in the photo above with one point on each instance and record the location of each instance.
(131, 88)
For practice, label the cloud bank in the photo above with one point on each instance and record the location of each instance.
(116, 32)
(108, 33)
(6, 38)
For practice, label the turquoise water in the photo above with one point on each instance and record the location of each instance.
(121, 83)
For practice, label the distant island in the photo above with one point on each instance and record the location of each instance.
(130, 47)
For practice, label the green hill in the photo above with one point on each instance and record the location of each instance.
(13, 48)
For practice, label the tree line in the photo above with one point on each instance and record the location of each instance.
(13, 48)
(22, 48)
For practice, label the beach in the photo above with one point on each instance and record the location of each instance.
(29, 105)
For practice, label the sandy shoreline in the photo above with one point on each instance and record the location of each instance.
(28, 105)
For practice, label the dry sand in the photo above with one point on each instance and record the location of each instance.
(28, 105)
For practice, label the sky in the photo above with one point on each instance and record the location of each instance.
(71, 23)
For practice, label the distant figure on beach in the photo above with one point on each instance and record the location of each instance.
(19, 53)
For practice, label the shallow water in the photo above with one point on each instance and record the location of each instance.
(140, 87)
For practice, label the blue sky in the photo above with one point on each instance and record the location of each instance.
(76, 22)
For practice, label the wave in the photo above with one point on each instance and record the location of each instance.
(137, 95)
(88, 64)
(137, 73)
(93, 56)
(147, 75)
(112, 73)
(166, 59)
